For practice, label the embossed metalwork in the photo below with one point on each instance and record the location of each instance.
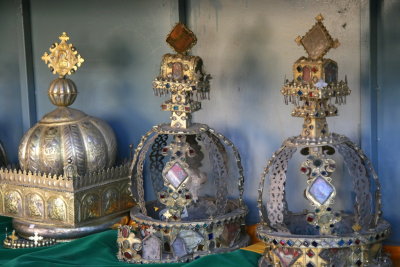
(63, 58)
(322, 235)
(68, 185)
(194, 212)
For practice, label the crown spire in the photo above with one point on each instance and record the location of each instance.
(182, 76)
(63, 60)
(315, 82)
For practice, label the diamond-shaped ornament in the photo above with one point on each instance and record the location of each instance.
(181, 39)
(176, 175)
(321, 190)
(287, 256)
(63, 58)
(317, 41)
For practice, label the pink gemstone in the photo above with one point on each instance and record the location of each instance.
(177, 71)
(306, 74)
(176, 175)
(125, 232)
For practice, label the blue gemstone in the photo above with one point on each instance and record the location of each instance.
(341, 242)
(176, 108)
(310, 264)
(299, 92)
(290, 243)
(210, 236)
(321, 190)
(315, 244)
(350, 242)
(167, 85)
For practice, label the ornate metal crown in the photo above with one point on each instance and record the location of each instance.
(320, 235)
(195, 209)
(68, 186)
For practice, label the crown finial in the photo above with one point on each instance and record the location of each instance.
(63, 58)
(315, 82)
(317, 41)
(183, 77)
(181, 39)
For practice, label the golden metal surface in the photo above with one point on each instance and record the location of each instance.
(315, 82)
(182, 76)
(57, 200)
(63, 58)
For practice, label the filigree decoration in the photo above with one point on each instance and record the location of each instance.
(63, 58)
(218, 161)
(139, 169)
(277, 206)
(361, 185)
(157, 161)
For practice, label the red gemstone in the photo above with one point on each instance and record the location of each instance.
(165, 149)
(187, 196)
(162, 196)
(191, 151)
(310, 94)
(128, 255)
(282, 242)
(314, 69)
(187, 108)
(310, 253)
(310, 219)
(357, 241)
(303, 169)
(174, 217)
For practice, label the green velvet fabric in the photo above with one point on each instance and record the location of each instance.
(100, 250)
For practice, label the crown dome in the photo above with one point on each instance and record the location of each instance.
(66, 135)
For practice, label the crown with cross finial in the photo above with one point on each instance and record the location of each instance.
(315, 82)
(182, 76)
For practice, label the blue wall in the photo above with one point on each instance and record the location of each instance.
(10, 100)
(247, 46)
(388, 110)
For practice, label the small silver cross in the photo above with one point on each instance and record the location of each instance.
(36, 238)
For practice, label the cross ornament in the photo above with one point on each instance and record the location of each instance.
(36, 238)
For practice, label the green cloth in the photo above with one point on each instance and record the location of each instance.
(100, 250)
